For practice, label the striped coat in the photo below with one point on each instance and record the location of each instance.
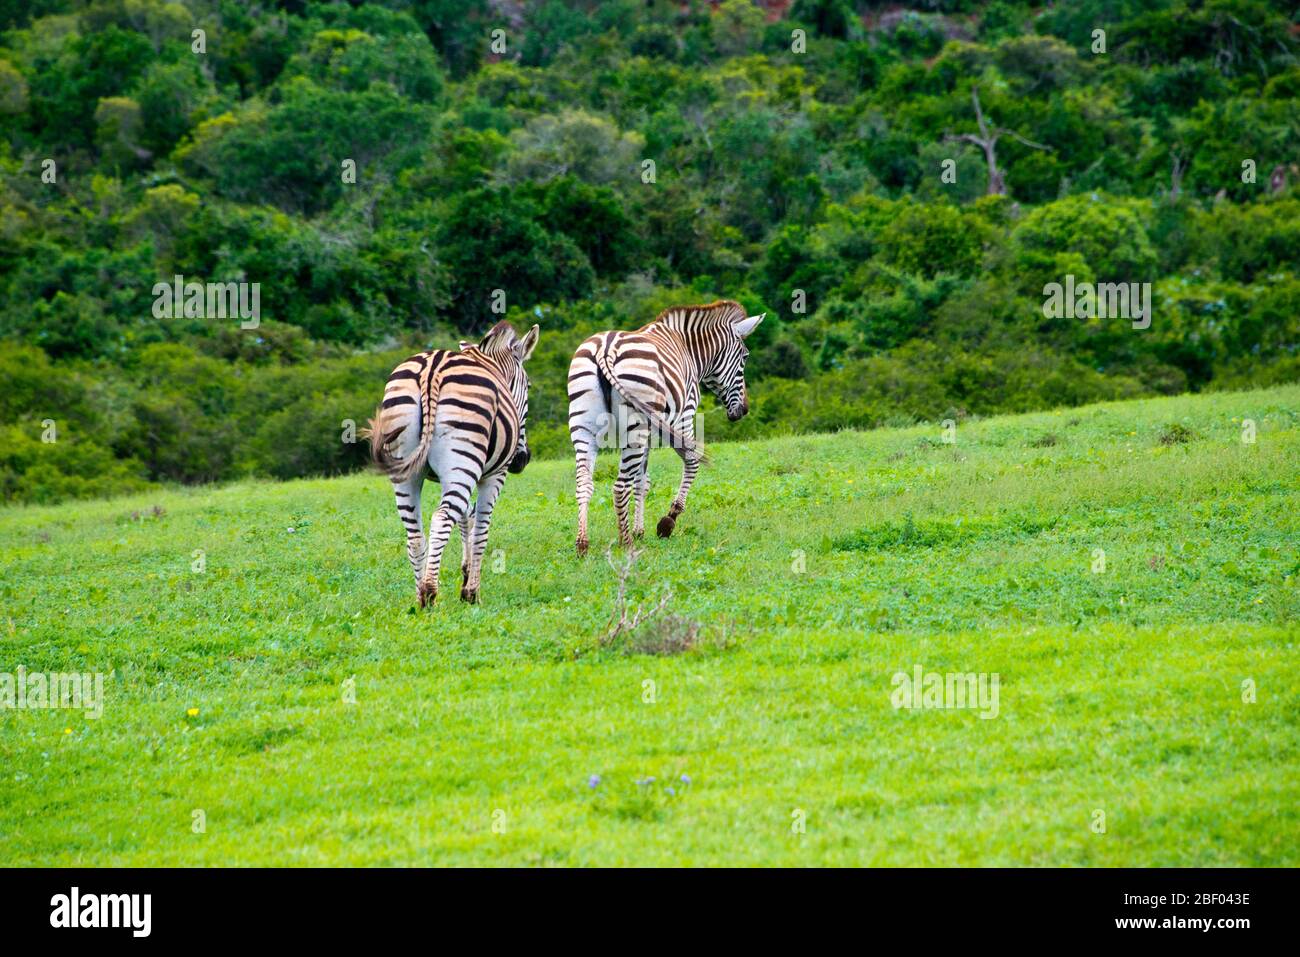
(462, 415)
(628, 388)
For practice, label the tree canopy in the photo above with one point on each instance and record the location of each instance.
(894, 186)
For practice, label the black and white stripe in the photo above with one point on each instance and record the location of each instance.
(627, 387)
(461, 414)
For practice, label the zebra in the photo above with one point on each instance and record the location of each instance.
(623, 384)
(463, 415)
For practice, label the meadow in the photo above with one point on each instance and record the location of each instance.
(1128, 570)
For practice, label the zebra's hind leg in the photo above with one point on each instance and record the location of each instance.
(488, 490)
(408, 510)
(466, 549)
(629, 478)
(451, 511)
(641, 488)
(584, 450)
(588, 427)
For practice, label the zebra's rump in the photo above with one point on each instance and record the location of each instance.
(395, 430)
(629, 362)
(642, 373)
(444, 396)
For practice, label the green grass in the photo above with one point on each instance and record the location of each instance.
(818, 566)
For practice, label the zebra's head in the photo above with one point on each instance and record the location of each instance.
(726, 377)
(508, 353)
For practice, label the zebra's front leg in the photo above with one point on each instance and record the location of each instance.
(408, 510)
(451, 511)
(488, 490)
(691, 459)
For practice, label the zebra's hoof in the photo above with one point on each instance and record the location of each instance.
(428, 595)
(468, 596)
(665, 527)
(582, 547)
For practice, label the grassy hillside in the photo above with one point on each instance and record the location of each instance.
(818, 567)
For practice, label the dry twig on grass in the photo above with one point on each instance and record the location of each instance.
(620, 623)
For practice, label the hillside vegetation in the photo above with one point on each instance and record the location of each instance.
(391, 173)
(265, 664)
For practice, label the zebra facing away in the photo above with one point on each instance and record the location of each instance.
(462, 415)
(626, 386)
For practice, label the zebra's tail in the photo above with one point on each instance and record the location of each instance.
(389, 425)
(379, 454)
(680, 439)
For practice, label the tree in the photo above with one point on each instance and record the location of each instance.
(987, 141)
(13, 90)
(118, 133)
(830, 18)
(290, 152)
(594, 218)
(498, 255)
(576, 143)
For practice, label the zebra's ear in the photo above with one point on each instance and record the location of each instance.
(465, 344)
(525, 346)
(745, 326)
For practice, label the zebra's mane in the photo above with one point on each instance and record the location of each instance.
(726, 309)
(497, 341)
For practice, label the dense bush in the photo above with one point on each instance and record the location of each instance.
(392, 180)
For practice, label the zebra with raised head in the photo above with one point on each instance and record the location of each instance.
(625, 387)
(461, 414)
